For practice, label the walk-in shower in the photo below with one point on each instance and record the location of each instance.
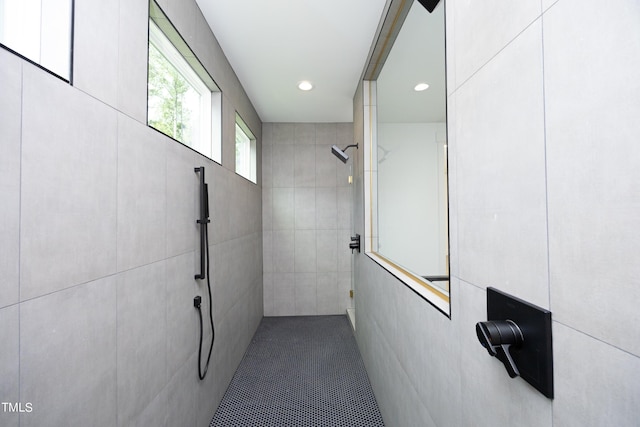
(341, 153)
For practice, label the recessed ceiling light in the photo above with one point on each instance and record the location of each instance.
(420, 87)
(305, 85)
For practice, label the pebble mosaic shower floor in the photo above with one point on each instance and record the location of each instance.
(297, 372)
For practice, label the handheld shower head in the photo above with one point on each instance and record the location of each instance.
(340, 154)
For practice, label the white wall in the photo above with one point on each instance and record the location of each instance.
(99, 244)
(411, 186)
(542, 101)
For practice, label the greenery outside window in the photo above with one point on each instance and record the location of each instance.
(245, 151)
(183, 100)
(40, 31)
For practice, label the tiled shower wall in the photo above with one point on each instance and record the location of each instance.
(98, 240)
(306, 199)
(544, 204)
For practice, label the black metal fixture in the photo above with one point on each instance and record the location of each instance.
(518, 333)
(340, 154)
(430, 5)
(497, 336)
(355, 243)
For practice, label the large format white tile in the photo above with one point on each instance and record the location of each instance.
(68, 196)
(305, 208)
(426, 339)
(267, 251)
(283, 210)
(10, 120)
(482, 29)
(243, 207)
(344, 207)
(500, 173)
(183, 199)
(305, 294)
(244, 264)
(141, 339)
(327, 296)
(181, 315)
(156, 413)
(305, 251)
(326, 134)
(284, 302)
(344, 254)
(224, 286)
(254, 208)
(268, 294)
(267, 209)
(68, 356)
(304, 172)
(283, 251)
(327, 250)
(344, 135)
(595, 383)
(304, 133)
(282, 163)
(267, 134)
(237, 260)
(546, 4)
(142, 172)
(267, 166)
(95, 49)
(256, 305)
(592, 162)
(327, 209)
(9, 362)
(220, 192)
(412, 410)
(282, 133)
(132, 58)
(182, 396)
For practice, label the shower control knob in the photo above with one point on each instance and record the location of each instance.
(355, 243)
(497, 336)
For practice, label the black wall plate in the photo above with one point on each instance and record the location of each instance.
(534, 358)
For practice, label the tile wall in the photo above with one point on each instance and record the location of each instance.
(544, 204)
(306, 219)
(98, 240)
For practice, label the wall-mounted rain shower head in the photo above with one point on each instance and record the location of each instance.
(341, 153)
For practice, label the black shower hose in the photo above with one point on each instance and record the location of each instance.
(197, 305)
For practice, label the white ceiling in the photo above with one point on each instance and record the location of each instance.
(273, 45)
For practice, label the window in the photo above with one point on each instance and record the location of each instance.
(245, 151)
(183, 100)
(39, 31)
(405, 154)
